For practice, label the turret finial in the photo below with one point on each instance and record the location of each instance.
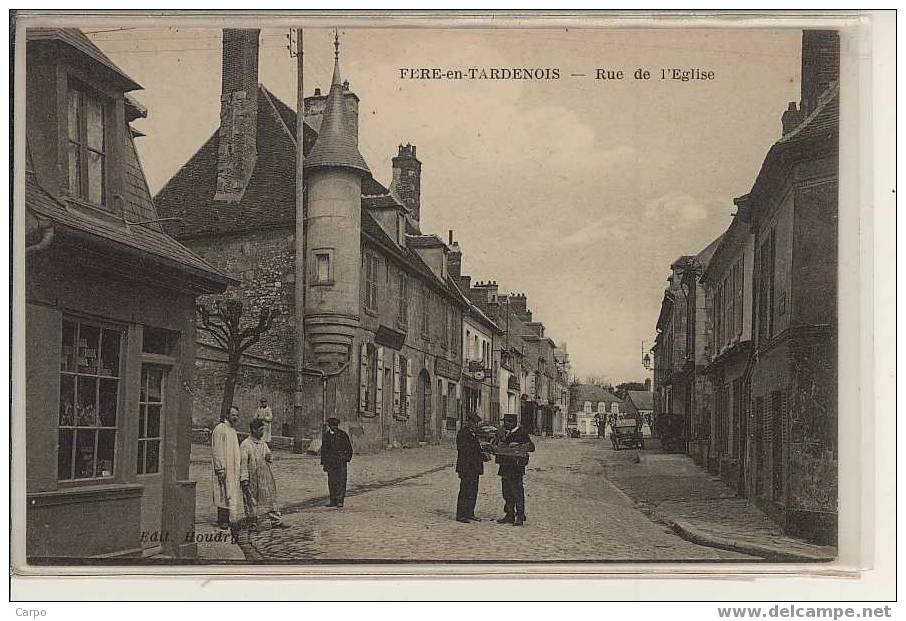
(336, 44)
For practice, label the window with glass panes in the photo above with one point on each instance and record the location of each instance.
(86, 144)
(150, 410)
(89, 400)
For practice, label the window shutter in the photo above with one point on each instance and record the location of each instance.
(379, 382)
(396, 383)
(408, 388)
(363, 377)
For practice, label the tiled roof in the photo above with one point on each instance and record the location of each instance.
(424, 241)
(76, 39)
(146, 240)
(409, 258)
(580, 393)
(817, 136)
(642, 399)
(269, 199)
(822, 123)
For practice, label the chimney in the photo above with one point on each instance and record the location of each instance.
(820, 66)
(237, 138)
(791, 118)
(454, 259)
(314, 109)
(465, 283)
(407, 179)
(518, 304)
(648, 384)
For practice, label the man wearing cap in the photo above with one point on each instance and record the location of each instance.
(336, 452)
(469, 466)
(512, 456)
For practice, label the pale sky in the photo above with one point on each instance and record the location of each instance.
(578, 192)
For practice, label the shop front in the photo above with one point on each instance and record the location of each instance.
(109, 356)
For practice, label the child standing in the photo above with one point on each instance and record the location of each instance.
(258, 486)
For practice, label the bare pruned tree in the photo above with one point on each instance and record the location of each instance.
(223, 320)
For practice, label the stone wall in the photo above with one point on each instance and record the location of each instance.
(264, 263)
(254, 382)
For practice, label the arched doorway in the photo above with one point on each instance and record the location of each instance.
(423, 405)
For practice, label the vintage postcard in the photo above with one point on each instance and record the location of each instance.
(342, 291)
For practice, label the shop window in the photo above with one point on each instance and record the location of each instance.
(86, 145)
(89, 400)
(150, 412)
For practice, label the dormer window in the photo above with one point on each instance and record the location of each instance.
(87, 145)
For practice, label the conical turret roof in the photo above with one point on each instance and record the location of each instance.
(336, 144)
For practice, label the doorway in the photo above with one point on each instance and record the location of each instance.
(423, 405)
(150, 458)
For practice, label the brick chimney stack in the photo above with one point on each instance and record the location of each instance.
(407, 179)
(454, 259)
(820, 66)
(237, 139)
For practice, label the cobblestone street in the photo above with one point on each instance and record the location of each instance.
(400, 506)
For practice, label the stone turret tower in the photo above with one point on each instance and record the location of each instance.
(334, 170)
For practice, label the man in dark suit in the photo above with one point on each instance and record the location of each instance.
(512, 456)
(336, 452)
(469, 466)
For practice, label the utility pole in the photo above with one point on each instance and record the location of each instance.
(299, 429)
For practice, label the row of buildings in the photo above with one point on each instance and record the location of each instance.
(746, 355)
(399, 344)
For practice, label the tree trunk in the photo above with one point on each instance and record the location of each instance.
(229, 387)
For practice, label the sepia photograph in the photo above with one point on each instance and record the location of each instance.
(330, 294)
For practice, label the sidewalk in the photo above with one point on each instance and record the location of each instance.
(701, 508)
(302, 484)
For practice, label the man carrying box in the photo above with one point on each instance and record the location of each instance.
(512, 456)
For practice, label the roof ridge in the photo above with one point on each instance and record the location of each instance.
(267, 95)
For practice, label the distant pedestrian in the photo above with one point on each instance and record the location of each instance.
(226, 462)
(512, 456)
(256, 478)
(336, 452)
(264, 413)
(469, 466)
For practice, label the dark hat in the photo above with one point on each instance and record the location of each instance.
(510, 417)
(333, 420)
(473, 418)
